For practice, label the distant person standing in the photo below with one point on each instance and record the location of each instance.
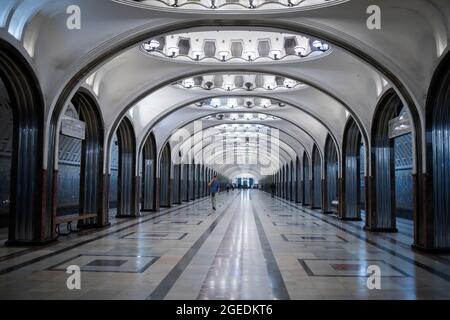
(272, 189)
(228, 187)
(214, 187)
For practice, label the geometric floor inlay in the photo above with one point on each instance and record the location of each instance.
(156, 235)
(348, 268)
(107, 263)
(293, 224)
(312, 238)
(184, 222)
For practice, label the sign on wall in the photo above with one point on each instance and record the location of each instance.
(72, 127)
(399, 126)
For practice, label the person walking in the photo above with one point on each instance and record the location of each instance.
(214, 187)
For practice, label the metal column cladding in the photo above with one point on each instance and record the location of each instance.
(149, 174)
(352, 168)
(317, 179)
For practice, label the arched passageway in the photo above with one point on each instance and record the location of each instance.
(197, 183)
(149, 175)
(185, 182)
(298, 185)
(191, 190)
(331, 177)
(353, 173)
(177, 182)
(79, 186)
(165, 177)
(316, 182)
(6, 135)
(22, 113)
(127, 196)
(290, 182)
(306, 181)
(433, 229)
(392, 189)
(202, 181)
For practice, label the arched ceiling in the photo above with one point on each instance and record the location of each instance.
(232, 5)
(109, 56)
(269, 141)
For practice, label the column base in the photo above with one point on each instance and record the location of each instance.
(423, 249)
(350, 219)
(121, 216)
(107, 224)
(28, 243)
(85, 226)
(387, 230)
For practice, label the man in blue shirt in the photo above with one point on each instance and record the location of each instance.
(214, 187)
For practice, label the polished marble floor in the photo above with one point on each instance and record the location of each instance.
(252, 247)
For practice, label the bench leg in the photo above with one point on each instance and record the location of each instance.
(69, 227)
(58, 230)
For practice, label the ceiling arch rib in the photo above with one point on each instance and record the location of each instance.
(116, 96)
(288, 134)
(389, 60)
(208, 152)
(350, 34)
(196, 150)
(272, 164)
(314, 102)
(317, 134)
(203, 147)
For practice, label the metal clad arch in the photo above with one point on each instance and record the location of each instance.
(126, 196)
(149, 167)
(433, 229)
(382, 216)
(26, 224)
(316, 190)
(331, 177)
(351, 206)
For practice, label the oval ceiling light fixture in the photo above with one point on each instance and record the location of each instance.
(237, 82)
(238, 103)
(244, 118)
(235, 46)
(238, 5)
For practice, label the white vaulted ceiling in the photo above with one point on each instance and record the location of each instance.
(160, 93)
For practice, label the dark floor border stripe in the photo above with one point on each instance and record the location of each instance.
(80, 234)
(163, 288)
(279, 289)
(79, 244)
(418, 264)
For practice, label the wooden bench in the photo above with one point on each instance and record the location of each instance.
(69, 219)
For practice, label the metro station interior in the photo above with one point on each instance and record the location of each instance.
(326, 123)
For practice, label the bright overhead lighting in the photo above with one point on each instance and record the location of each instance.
(301, 51)
(188, 83)
(224, 54)
(173, 51)
(250, 54)
(197, 54)
(275, 54)
(152, 45)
